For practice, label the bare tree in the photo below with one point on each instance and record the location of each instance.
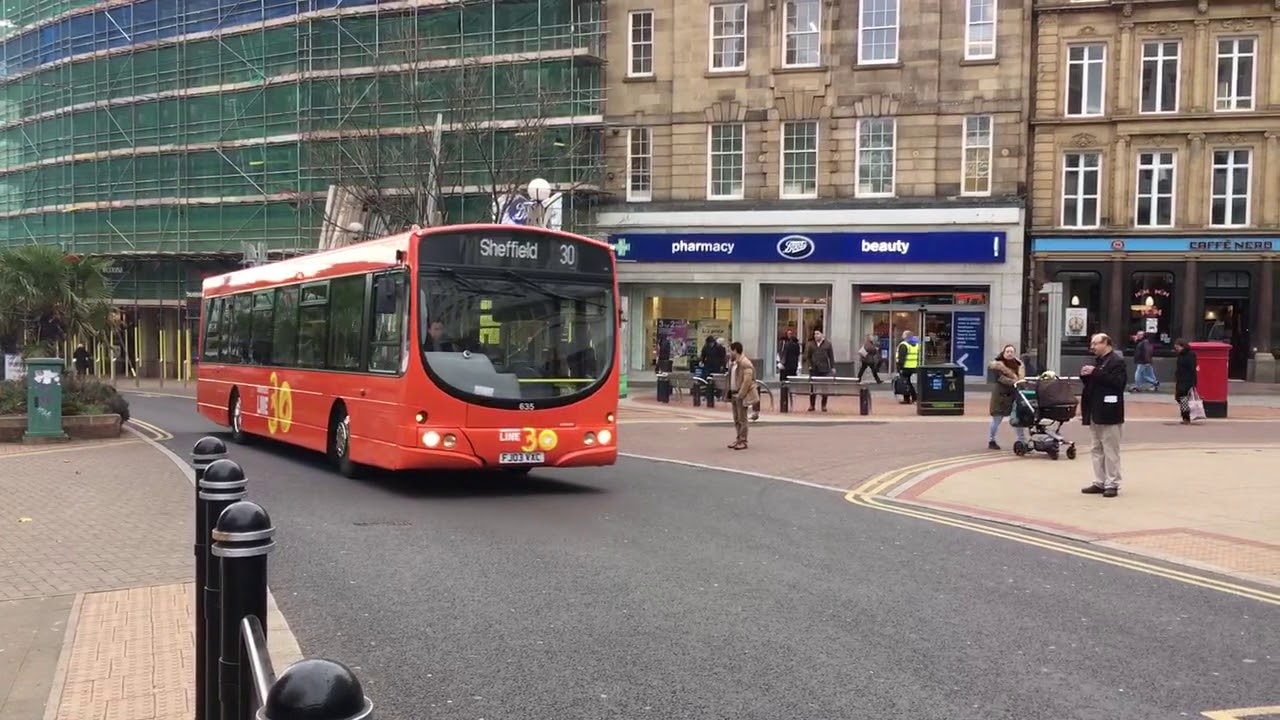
(414, 139)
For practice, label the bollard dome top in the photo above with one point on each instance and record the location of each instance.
(223, 471)
(316, 690)
(242, 517)
(209, 445)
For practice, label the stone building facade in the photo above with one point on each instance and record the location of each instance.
(854, 165)
(1155, 168)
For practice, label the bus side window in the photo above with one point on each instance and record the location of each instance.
(285, 332)
(213, 330)
(387, 328)
(241, 329)
(313, 325)
(263, 333)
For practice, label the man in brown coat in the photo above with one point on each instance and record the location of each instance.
(742, 392)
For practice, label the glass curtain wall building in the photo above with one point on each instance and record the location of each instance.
(184, 137)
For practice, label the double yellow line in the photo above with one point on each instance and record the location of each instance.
(156, 432)
(870, 494)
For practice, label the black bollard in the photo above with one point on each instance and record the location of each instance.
(207, 451)
(223, 483)
(316, 690)
(784, 397)
(242, 540)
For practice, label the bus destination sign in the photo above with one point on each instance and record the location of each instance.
(514, 250)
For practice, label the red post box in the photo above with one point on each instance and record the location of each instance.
(1211, 376)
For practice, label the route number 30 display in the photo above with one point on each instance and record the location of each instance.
(276, 403)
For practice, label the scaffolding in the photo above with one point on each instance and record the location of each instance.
(173, 135)
(166, 127)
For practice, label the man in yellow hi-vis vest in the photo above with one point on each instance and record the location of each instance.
(908, 361)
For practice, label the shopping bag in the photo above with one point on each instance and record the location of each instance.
(1195, 405)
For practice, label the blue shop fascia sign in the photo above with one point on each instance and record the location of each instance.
(1208, 245)
(823, 247)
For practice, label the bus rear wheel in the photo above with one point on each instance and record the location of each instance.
(340, 444)
(235, 417)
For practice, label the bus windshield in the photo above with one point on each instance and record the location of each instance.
(502, 334)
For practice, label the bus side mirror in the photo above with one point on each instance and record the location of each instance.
(384, 295)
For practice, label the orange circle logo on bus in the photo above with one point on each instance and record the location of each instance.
(548, 439)
(280, 412)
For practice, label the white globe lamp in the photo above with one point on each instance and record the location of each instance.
(539, 190)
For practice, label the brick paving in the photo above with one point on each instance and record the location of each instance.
(132, 656)
(845, 452)
(92, 517)
(110, 521)
(1175, 502)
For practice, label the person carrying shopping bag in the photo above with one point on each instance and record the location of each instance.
(1009, 372)
(1185, 378)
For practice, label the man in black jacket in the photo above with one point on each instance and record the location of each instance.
(1102, 410)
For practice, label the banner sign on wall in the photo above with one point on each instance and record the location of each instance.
(828, 247)
(968, 335)
(1210, 245)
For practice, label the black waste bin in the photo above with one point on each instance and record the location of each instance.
(940, 389)
(664, 388)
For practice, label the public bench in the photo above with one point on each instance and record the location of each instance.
(825, 385)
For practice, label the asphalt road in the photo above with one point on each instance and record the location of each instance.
(655, 590)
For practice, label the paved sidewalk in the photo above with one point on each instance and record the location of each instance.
(96, 604)
(1212, 506)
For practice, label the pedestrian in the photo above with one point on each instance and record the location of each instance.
(742, 392)
(788, 355)
(1009, 372)
(869, 358)
(82, 360)
(1144, 373)
(820, 359)
(1102, 410)
(712, 359)
(1185, 378)
(908, 361)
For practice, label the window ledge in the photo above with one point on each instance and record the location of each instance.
(726, 73)
(785, 69)
(979, 62)
(895, 65)
(640, 79)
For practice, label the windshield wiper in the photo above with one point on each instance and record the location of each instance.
(549, 292)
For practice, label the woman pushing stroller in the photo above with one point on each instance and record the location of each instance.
(1009, 372)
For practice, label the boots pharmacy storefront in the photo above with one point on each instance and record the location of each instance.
(958, 290)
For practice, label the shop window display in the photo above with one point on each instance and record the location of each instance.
(676, 328)
(1151, 307)
(1082, 307)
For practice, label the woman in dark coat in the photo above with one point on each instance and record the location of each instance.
(1009, 371)
(1185, 377)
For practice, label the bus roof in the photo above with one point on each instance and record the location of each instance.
(356, 258)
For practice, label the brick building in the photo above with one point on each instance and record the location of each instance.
(853, 165)
(1155, 172)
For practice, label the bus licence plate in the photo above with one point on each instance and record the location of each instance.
(521, 458)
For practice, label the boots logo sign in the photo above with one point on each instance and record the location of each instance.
(795, 247)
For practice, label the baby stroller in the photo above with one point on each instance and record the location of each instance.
(1039, 404)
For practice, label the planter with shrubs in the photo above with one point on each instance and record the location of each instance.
(91, 409)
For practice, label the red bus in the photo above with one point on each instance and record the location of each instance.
(456, 347)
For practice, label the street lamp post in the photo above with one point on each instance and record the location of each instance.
(539, 192)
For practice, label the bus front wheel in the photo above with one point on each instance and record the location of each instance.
(340, 443)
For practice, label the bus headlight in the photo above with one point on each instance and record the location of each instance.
(605, 437)
(421, 417)
(431, 438)
(609, 418)
(589, 439)
(450, 441)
